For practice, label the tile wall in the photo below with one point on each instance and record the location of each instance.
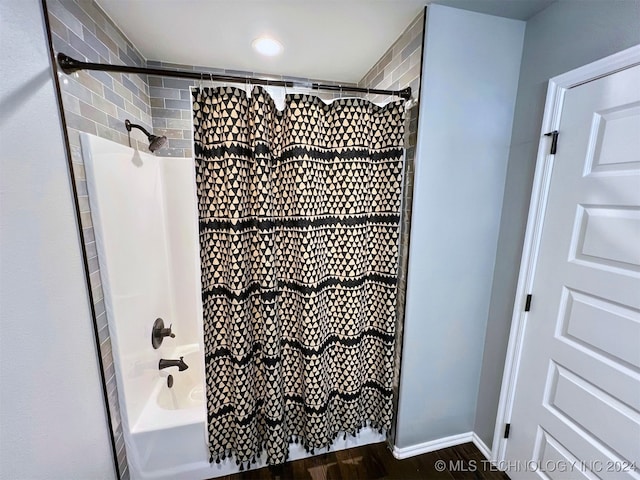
(99, 102)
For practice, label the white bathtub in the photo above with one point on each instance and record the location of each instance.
(144, 213)
(169, 437)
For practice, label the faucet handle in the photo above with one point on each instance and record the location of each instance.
(159, 332)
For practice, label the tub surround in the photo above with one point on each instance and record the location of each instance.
(150, 269)
(147, 242)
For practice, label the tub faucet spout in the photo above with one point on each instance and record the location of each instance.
(173, 363)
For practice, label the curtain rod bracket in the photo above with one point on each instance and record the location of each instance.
(67, 64)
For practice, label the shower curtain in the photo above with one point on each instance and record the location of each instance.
(299, 220)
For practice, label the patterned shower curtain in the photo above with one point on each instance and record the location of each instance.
(299, 221)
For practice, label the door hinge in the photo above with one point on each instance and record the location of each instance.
(554, 141)
(527, 303)
(507, 429)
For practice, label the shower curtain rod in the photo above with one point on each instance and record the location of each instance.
(70, 65)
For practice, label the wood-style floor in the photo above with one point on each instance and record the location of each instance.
(375, 462)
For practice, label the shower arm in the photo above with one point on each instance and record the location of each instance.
(69, 65)
(128, 125)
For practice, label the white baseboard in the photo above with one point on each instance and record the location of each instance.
(486, 451)
(452, 441)
(431, 446)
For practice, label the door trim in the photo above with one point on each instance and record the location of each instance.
(544, 166)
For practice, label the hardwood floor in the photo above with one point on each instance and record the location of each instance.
(375, 462)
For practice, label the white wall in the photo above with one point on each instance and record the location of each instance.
(564, 36)
(52, 415)
(469, 78)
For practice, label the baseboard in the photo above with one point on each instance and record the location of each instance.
(439, 443)
(433, 445)
(486, 451)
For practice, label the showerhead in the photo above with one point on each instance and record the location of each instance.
(155, 142)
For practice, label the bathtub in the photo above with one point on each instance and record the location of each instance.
(144, 213)
(169, 437)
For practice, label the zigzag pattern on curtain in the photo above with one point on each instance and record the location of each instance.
(299, 217)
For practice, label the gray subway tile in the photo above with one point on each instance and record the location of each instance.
(79, 13)
(78, 171)
(401, 70)
(157, 102)
(62, 46)
(85, 222)
(121, 90)
(98, 294)
(99, 307)
(92, 113)
(94, 43)
(411, 47)
(179, 66)
(103, 104)
(84, 48)
(108, 133)
(83, 203)
(165, 113)
(122, 55)
(140, 104)
(88, 81)
(106, 350)
(70, 103)
(94, 279)
(65, 16)
(103, 334)
(169, 132)
(58, 27)
(93, 264)
(159, 122)
(154, 81)
(81, 187)
(80, 123)
(108, 42)
(116, 35)
(133, 110)
(179, 143)
(178, 123)
(103, 77)
(130, 86)
(134, 55)
(177, 83)
(158, 92)
(178, 104)
(113, 97)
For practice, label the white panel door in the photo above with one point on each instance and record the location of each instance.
(576, 412)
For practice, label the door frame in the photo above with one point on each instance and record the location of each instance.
(544, 166)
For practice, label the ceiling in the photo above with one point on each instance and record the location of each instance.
(336, 40)
(516, 9)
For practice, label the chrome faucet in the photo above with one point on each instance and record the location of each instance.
(173, 363)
